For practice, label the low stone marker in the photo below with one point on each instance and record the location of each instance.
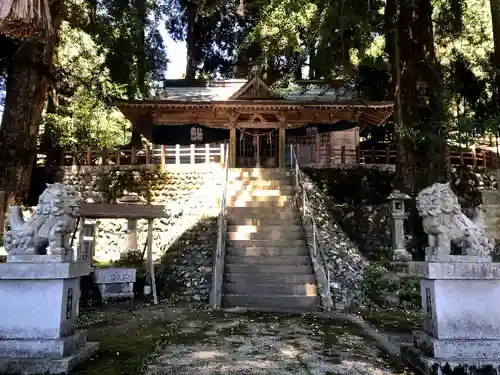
(460, 293)
(115, 284)
(40, 289)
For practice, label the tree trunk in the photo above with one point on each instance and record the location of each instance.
(495, 20)
(142, 66)
(422, 112)
(28, 81)
(419, 112)
(404, 168)
(191, 42)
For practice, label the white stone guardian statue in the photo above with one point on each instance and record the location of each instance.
(48, 231)
(444, 223)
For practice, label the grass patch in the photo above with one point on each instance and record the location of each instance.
(394, 319)
(128, 340)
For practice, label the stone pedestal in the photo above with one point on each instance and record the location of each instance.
(461, 301)
(38, 310)
(115, 284)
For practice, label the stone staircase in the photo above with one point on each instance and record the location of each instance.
(267, 261)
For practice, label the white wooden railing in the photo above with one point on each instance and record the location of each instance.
(191, 154)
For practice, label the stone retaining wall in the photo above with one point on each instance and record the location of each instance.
(192, 193)
(341, 257)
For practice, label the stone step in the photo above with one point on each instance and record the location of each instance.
(259, 269)
(252, 169)
(250, 185)
(265, 243)
(275, 235)
(260, 172)
(269, 260)
(302, 303)
(286, 290)
(263, 222)
(265, 228)
(272, 279)
(258, 204)
(279, 181)
(257, 192)
(262, 201)
(260, 195)
(261, 183)
(256, 251)
(263, 212)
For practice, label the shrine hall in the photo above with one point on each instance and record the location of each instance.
(256, 122)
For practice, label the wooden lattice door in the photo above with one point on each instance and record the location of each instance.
(247, 147)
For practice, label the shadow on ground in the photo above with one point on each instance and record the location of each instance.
(163, 340)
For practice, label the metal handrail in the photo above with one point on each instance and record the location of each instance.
(299, 178)
(218, 266)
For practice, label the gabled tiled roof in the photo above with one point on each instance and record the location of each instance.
(229, 90)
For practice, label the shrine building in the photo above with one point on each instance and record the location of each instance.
(257, 124)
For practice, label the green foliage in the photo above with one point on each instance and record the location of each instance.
(144, 182)
(376, 283)
(215, 29)
(127, 34)
(333, 35)
(132, 259)
(283, 25)
(464, 44)
(83, 116)
(372, 283)
(361, 185)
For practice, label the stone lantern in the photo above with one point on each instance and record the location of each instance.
(399, 215)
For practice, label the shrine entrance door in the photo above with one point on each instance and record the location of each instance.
(257, 148)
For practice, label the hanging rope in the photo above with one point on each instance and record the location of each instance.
(25, 19)
(255, 134)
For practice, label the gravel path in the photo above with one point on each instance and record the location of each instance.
(268, 345)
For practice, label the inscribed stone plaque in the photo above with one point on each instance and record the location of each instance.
(428, 299)
(69, 303)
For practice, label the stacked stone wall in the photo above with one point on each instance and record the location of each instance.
(189, 194)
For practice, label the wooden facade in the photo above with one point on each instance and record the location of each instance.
(259, 124)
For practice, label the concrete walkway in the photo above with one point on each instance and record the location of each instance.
(268, 345)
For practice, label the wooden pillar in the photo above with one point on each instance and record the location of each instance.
(232, 147)
(2, 211)
(88, 242)
(282, 148)
(317, 148)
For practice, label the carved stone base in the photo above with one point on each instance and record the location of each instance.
(458, 258)
(38, 312)
(115, 284)
(453, 366)
(45, 365)
(456, 349)
(40, 258)
(461, 335)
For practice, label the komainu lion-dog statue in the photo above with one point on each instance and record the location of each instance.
(49, 228)
(444, 223)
